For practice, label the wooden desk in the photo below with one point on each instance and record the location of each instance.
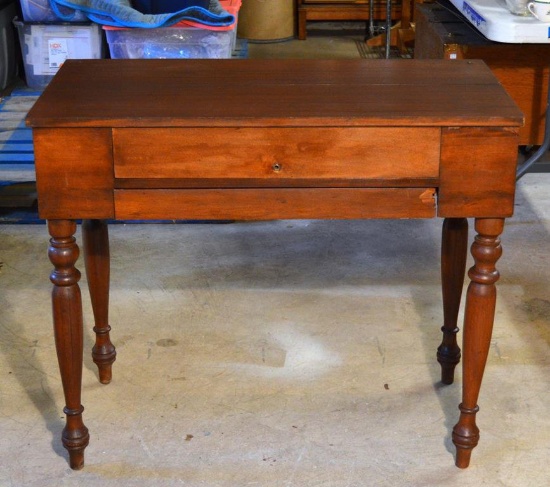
(255, 140)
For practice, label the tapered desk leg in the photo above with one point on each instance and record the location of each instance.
(478, 326)
(454, 247)
(67, 317)
(97, 261)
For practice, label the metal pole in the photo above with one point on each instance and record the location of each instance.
(371, 19)
(388, 28)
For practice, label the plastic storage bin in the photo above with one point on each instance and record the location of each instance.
(41, 11)
(8, 64)
(169, 42)
(46, 47)
(185, 40)
(232, 7)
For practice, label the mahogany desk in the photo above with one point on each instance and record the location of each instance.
(274, 139)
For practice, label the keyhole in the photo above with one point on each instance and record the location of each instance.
(277, 167)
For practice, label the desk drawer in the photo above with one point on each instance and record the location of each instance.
(283, 153)
(275, 203)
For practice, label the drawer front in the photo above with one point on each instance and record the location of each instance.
(277, 153)
(275, 203)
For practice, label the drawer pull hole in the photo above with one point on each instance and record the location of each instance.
(277, 167)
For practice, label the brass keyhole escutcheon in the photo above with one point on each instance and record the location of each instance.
(277, 167)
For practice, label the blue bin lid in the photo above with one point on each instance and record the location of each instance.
(167, 6)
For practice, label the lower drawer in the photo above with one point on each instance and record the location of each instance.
(275, 203)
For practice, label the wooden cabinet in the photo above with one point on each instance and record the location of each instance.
(333, 10)
(442, 33)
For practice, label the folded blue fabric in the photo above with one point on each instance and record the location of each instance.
(122, 13)
(167, 6)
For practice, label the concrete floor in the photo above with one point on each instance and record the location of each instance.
(286, 353)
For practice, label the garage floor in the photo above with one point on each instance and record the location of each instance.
(285, 353)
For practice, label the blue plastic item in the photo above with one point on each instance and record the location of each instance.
(167, 6)
(121, 13)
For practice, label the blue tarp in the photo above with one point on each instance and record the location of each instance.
(145, 13)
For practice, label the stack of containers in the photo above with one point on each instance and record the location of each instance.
(47, 41)
(184, 40)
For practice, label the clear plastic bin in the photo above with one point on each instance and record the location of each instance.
(40, 11)
(169, 43)
(185, 40)
(46, 46)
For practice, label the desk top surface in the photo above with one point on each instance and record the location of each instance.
(235, 93)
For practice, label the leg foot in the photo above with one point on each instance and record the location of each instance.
(76, 459)
(465, 436)
(105, 372)
(75, 438)
(463, 456)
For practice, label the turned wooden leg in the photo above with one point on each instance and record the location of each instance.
(454, 247)
(67, 318)
(96, 257)
(478, 325)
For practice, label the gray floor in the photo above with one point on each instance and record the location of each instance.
(286, 353)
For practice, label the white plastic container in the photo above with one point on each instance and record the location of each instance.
(46, 46)
(169, 43)
(495, 21)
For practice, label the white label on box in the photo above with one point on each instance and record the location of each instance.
(57, 52)
(75, 42)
